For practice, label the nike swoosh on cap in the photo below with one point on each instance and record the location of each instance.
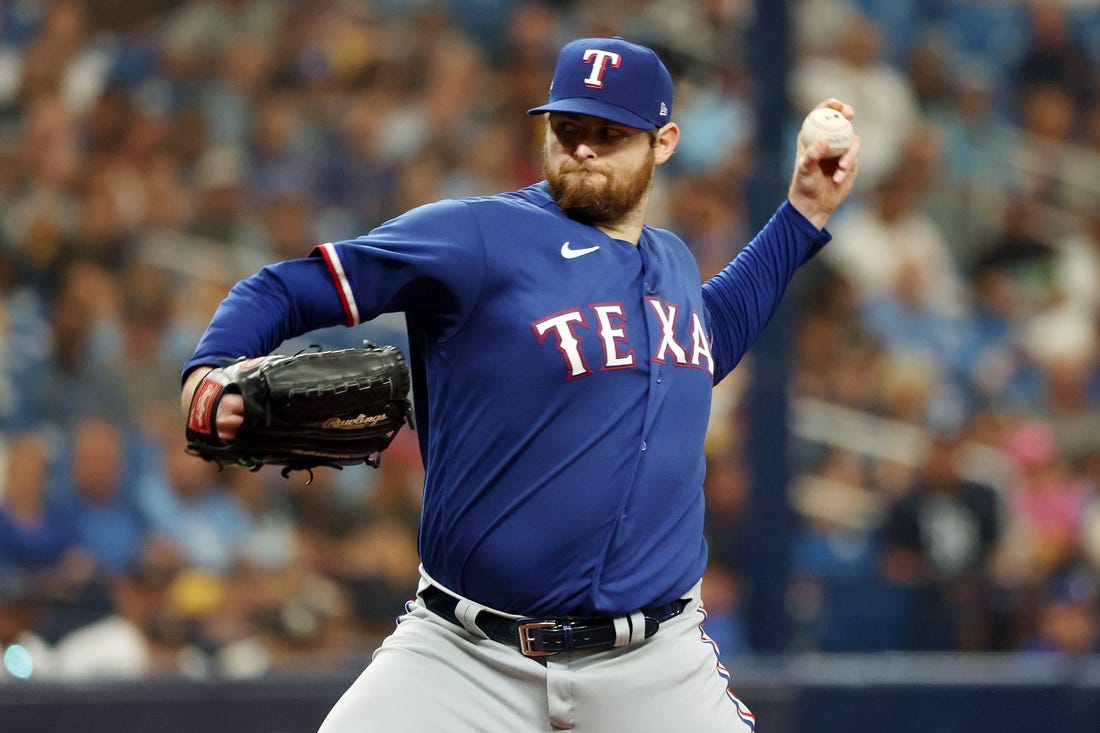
(570, 254)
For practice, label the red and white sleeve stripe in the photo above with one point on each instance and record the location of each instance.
(340, 279)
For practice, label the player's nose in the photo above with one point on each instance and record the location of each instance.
(583, 151)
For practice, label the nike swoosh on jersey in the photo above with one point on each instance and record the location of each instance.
(570, 254)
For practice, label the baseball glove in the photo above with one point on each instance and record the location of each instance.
(314, 408)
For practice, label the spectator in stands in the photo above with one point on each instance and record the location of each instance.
(63, 58)
(913, 330)
(1069, 615)
(1077, 264)
(1062, 335)
(979, 150)
(877, 240)
(187, 503)
(281, 157)
(839, 602)
(997, 368)
(35, 531)
(95, 481)
(142, 363)
(24, 344)
(1046, 499)
(1049, 160)
(1022, 250)
(1054, 56)
(357, 177)
(168, 202)
(271, 542)
(930, 67)
(708, 216)
(40, 205)
(222, 215)
(1069, 403)
(73, 383)
(939, 538)
(828, 337)
(227, 99)
(102, 235)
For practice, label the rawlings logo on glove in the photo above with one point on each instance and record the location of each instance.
(361, 421)
(316, 408)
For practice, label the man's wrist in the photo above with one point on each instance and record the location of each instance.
(813, 213)
(190, 383)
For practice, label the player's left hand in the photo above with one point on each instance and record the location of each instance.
(820, 183)
(230, 412)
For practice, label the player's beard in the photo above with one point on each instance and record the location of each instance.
(598, 199)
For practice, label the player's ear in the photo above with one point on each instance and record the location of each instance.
(666, 140)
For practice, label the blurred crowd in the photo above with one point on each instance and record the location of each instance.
(945, 445)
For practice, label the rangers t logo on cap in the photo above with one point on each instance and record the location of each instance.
(599, 60)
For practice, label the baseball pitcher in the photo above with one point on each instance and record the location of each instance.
(562, 358)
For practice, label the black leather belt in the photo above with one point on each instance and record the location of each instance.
(543, 637)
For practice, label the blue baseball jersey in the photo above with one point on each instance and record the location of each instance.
(562, 383)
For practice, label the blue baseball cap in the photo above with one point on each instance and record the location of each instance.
(612, 79)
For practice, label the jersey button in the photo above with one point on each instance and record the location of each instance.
(643, 445)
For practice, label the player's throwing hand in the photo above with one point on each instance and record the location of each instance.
(821, 182)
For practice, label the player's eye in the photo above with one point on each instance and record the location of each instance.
(611, 134)
(566, 129)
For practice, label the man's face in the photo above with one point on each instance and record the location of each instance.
(598, 170)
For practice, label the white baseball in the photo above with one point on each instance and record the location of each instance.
(826, 123)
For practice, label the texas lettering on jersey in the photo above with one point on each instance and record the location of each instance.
(567, 329)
